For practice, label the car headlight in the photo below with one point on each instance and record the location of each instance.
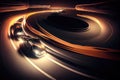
(38, 52)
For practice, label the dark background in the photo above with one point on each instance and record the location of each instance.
(112, 6)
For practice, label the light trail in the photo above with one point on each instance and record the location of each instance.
(35, 66)
(72, 70)
(106, 29)
(85, 50)
(40, 70)
(39, 6)
(90, 8)
(19, 7)
(13, 8)
(23, 24)
(92, 51)
(11, 22)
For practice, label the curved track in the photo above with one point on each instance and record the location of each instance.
(64, 59)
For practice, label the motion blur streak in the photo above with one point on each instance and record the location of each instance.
(68, 68)
(18, 7)
(11, 21)
(106, 29)
(85, 50)
(40, 70)
(45, 11)
(39, 6)
(23, 24)
(13, 8)
(36, 67)
(90, 8)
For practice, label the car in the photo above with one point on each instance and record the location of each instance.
(16, 31)
(32, 49)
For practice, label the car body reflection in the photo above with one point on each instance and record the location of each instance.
(29, 46)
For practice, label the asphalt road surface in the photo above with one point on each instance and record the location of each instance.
(62, 61)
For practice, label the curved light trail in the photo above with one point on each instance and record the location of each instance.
(91, 7)
(11, 22)
(16, 46)
(36, 67)
(72, 70)
(102, 31)
(85, 50)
